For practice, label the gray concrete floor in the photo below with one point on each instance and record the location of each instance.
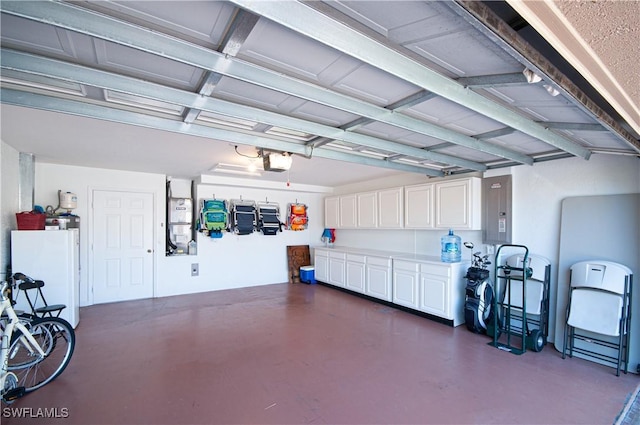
(296, 353)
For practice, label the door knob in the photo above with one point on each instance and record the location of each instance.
(148, 250)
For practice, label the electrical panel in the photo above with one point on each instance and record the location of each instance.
(496, 198)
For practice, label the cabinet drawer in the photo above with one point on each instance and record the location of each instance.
(321, 253)
(435, 269)
(379, 261)
(406, 265)
(339, 255)
(355, 258)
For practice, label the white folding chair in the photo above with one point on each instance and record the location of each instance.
(599, 312)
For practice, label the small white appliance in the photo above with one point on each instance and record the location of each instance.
(52, 256)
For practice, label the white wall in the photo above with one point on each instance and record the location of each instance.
(235, 261)
(232, 262)
(9, 178)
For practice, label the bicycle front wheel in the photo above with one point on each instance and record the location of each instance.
(57, 339)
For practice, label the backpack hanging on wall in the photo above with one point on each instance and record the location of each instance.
(243, 217)
(214, 217)
(269, 218)
(297, 218)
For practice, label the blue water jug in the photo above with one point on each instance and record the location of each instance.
(451, 248)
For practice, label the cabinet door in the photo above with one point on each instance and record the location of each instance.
(458, 204)
(434, 295)
(390, 208)
(378, 281)
(405, 284)
(367, 209)
(336, 270)
(321, 266)
(418, 206)
(348, 211)
(332, 212)
(434, 289)
(355, 275)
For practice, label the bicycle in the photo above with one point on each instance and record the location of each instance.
(34, 351)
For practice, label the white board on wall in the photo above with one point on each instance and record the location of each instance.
(603, 228)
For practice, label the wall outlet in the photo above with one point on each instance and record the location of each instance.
(491, 249)
(195, 269)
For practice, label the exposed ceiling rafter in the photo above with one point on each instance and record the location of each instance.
(240, 28)
(488, 81)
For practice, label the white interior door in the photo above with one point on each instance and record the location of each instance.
(122, 246)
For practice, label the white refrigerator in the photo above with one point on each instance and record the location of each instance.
(52, 256)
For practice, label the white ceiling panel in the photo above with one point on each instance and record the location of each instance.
(147, 66)
(322, 114)
(142, 102)
(443, 111)
(472, 154)
(375, 86)
(39, 82)
(34, 36)
(380, 129)
(406, 13)
(596, 139)
(522, 143)
(464, 55)
(249, 94)
(282, 49)
(204, 21)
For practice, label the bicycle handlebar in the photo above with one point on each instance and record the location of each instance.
(21, 276)
(11, 282)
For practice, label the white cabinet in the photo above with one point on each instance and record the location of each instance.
(321, 265)
(378, 281)
(418, 282)
(405, 283)
(435, 289)
(442, 289)
(367, 209)
(458, 204)
(348, 211)
(418, 206)
(355, 273)
(448, 204)
(337, 265)
(390, 208)
(332, 212)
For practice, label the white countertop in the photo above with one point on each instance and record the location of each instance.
(380, 253)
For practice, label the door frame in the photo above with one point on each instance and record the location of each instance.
(89, 237)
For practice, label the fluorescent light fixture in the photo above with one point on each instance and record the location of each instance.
(222, 167)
